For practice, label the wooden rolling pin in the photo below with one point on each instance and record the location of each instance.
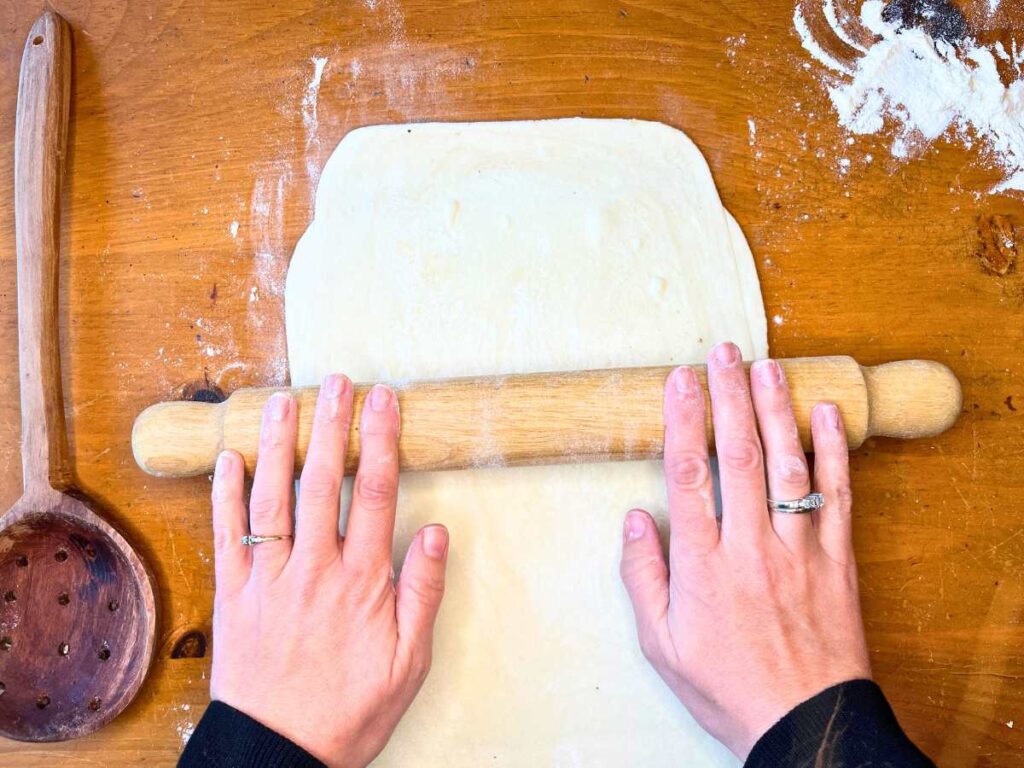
(549, 418)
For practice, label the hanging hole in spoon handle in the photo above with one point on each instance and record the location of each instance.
(68, 662)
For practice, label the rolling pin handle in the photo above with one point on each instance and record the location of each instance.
(178, 439)
(911, 399)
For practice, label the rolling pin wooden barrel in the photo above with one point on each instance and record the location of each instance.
(549, 418)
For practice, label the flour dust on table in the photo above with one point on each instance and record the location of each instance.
(917, 72)
(442, 250)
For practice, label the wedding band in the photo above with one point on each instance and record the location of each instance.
(808, 503)
(252, 540)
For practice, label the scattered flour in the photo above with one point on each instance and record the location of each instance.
(311, 122)
(266, 223)
(733, 44)
(394, 21)
(926, 89)
(812, 47)
(841, 33)
(185, 731)
(185, 726)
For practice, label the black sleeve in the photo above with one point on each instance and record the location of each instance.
(227, 738)
(849, 725)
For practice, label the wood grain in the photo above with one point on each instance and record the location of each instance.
(188, 116)
(548, 418)
(39, 154)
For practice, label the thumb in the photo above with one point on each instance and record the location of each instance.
(645, 574)
(419, 592)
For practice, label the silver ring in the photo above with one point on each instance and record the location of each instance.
(808, 503)
(252, 540)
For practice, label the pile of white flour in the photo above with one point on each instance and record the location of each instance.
(925, 88)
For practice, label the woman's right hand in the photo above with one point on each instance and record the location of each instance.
(755, 615)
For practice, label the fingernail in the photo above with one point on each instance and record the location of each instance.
(380, 398)
(768, 372)
(278, 405)
(726, 353)
(685, 380)
(636, 524)
(435, 541)
(333, 388)
(335, 385)
(225, 462)
(831, 413)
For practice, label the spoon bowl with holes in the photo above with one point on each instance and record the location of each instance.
(77, 609)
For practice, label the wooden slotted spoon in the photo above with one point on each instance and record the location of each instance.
(77, 611)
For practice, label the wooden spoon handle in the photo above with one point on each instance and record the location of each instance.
(39, 155)
(549, 417)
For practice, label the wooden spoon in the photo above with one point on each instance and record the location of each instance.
(77, 612)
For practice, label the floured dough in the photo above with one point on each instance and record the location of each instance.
(443, 250)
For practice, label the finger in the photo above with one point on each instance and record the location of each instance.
(319, 504)
(740, 461)
(645, 576)
(788, 477)
(271, 498)
(232, 561)
(691, 498)
(371, 520)
(419, 592)
(832, 478)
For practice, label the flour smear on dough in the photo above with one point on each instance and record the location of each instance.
(441, 250)
(919, 86)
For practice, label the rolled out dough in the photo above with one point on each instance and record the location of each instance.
(444, 250)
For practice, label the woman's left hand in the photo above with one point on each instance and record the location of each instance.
(312, 637)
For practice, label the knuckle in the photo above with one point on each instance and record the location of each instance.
(272, 438)
(376, 490)
(688, 471)
(426, 590)
(762, 576)
(380, 425)
(265, 508)
(222, 540)
(366, 578)
(222, 491)
(638, 568)
(732, 384)
(358, 572)
(791, 469)
(779, 402)
(842, 497)
(320, 486)
(742, 455)
(419, 665)
(305, 587)
(649, 646)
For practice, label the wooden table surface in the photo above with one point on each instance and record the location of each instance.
(197, 134)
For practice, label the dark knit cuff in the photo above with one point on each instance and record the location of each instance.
(228, 738)
(846, 726)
